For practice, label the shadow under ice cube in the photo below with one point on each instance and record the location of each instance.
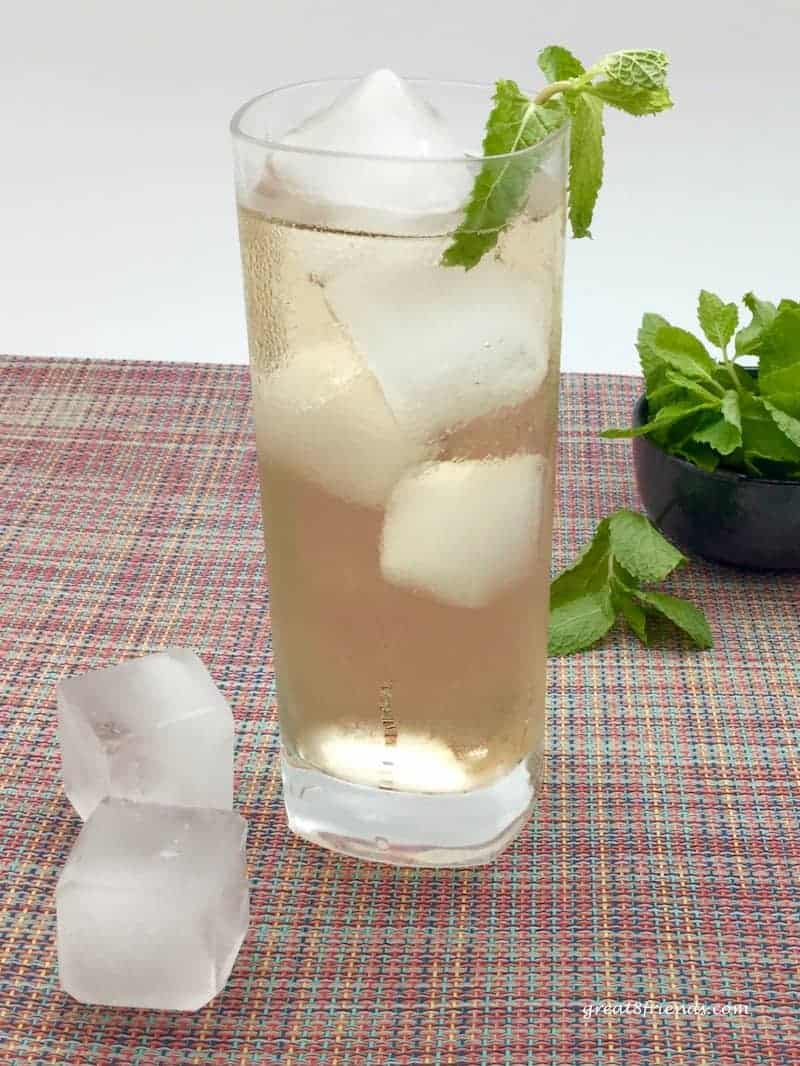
(152, 905)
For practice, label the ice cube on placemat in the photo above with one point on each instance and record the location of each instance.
(152, 905)
(155, 729)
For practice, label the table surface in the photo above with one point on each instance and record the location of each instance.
(662, 867)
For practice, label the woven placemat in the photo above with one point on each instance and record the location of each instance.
(662, 872)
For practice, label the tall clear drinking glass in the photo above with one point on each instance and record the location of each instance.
(405, 416)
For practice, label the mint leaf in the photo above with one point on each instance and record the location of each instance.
(581, 609)
(786, 423)
(603, 582)
(727, 374)
(663, 396)
(688, 400)
(762, 437)
(639, 68)
(516, 122)
(762, 310)
(579, 623)
(632, 100)
(667, 416)
(589, 572)
(684, 353)
(559, 64)
(730, 409)
(700, 454)
(719, 435)
(779, 365)
(694, 387)
(718, 320)
(640, 548)
(501, 188)
(724, 433)
(748, 339)
(682, 614)
(585, 161)
(653, 366)
(666, 386)
(632, 612)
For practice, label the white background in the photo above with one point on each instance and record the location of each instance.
(116, 215)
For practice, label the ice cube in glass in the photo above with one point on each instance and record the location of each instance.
(487, 512)
(377, 117)
(446, 346)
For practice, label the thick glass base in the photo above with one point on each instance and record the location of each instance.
(409, 828)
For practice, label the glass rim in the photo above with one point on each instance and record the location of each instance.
(238, 133)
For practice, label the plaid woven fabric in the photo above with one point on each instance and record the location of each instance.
(662, 868)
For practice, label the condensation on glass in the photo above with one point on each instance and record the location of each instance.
(405, 416)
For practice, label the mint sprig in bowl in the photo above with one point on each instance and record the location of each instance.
(716, 438)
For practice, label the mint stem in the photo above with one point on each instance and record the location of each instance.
(730, 366)
(566, 84)
(551, 90)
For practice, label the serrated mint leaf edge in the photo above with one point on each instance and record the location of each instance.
(786, 423)
(633, 101)
(473, 238)
(717, 319)
(564, 66)
(644, 68)
(749, 337)
(672, 608)
(720, 435)
(640, 548)
(586, 162)
(580, 623)
(579, 576)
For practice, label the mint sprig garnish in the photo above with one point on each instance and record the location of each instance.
(633, 81)
(605, 584)
(585, 161)
(500, 189)
(715, 412)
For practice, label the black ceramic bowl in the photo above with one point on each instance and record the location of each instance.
(722, 515)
